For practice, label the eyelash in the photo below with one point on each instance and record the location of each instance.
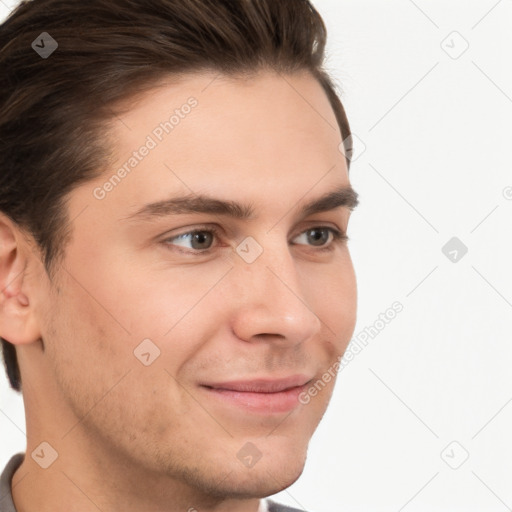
(337, 237)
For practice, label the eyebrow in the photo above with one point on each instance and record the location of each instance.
(344, 196)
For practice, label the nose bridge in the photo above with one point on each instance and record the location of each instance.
(274, 272)
(272, 301)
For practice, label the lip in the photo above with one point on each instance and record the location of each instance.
(265, 396)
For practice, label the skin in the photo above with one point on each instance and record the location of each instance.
(133, 437)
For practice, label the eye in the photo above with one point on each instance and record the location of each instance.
(198, 240)
(319, 236)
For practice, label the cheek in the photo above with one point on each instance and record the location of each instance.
(86, 339)
(152, 300)
(344, 311)
(82, 334)
(95, 368)
(334, 292)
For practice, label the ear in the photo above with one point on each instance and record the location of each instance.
(18, 323)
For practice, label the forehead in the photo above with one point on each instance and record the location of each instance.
(252, 137)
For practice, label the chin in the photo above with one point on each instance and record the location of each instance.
(219, 474)
(258, 482)
(274, 472)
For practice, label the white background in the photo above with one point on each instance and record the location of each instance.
(432, 162)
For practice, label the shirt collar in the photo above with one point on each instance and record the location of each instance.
(263, 506)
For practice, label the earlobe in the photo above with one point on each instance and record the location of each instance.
(17, 322)
(17, 319)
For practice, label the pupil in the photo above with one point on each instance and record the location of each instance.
(200, 239)
(318, 236)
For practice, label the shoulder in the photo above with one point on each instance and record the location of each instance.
(6, 503)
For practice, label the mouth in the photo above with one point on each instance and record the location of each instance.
(263, 396)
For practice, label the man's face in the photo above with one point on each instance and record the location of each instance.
(268, 295)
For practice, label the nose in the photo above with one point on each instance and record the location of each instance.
(270, 300)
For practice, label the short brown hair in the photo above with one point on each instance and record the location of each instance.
(53, 111)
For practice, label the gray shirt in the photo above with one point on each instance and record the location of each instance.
(7, 504)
